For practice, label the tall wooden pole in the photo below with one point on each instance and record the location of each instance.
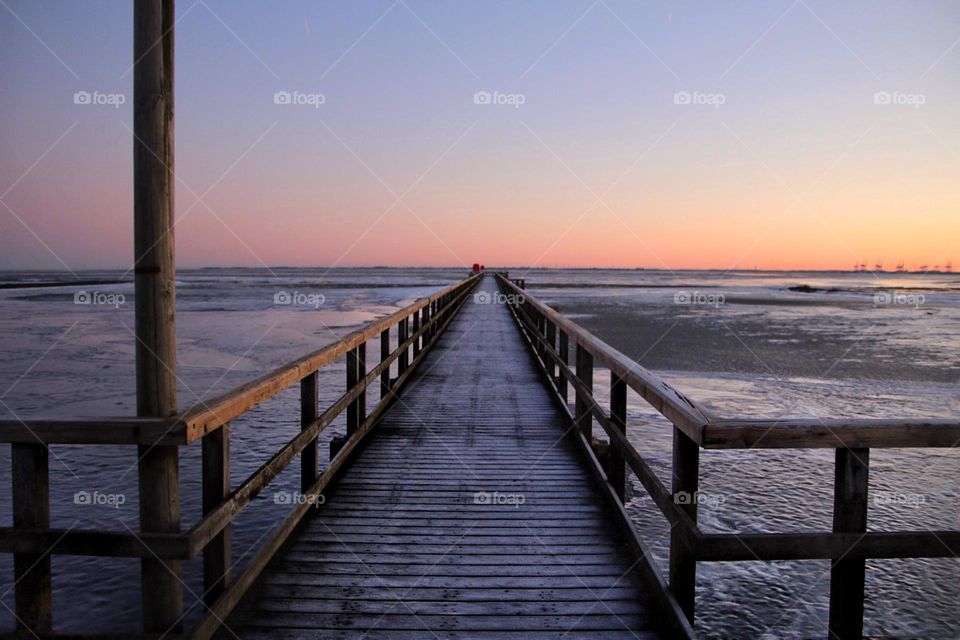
(159, 475)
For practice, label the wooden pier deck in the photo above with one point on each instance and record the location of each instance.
(469, 513)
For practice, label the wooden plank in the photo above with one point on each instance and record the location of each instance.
(217, 558)
(848, 575)
(812, 433)
(31, 510)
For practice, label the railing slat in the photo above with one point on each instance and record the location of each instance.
(216, 487)
(847, 575)
(583, 413)
(31, 510)
(686, 484)
(616, 468)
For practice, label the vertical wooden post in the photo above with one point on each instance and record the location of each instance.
(309, 401)
(847, 575)
(159, 473)
(616, 471)
(425, 322)
(416, 328)
(384, 354)
(31, 510)
(582, 409)
(216, 486)
(541, 335)
(356, 370)
(686, 484)
(565, 358)
(552, 343)
(404, 358)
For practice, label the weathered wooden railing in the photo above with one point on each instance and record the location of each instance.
(32, 541)
(551, 336)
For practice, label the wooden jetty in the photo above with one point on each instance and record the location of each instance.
(469, 513)
(466, 502)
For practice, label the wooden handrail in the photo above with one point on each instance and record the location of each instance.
(549, 335)
(206, 416)
(32, 537)
(676, 407)
(711, 432)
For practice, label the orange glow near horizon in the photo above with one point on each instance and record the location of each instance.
(801, 167)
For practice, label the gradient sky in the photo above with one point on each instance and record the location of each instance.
(798, 168)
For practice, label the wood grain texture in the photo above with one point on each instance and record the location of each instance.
(467, 513)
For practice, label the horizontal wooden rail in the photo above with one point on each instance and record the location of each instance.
(95, 542)
(549, 336)
(825, 546)
(815, 433)
(108, 430)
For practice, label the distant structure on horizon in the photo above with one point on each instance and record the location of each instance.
(861, 267)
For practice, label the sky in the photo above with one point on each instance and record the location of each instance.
(792, 134)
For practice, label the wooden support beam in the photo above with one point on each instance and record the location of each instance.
(384, 355)
(216, 486)
(686, 484)
(616, 467)
(847, 575)
(154, 280)
(416, 329)
(402, 334)
(31, 510)
(583, 411)
(564, 351)
(551, 335)
(309, 401)
(356, 371)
